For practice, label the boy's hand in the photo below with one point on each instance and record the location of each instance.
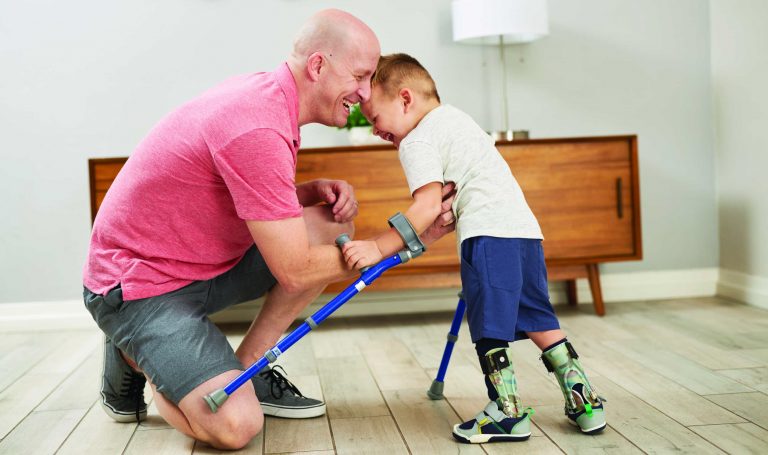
(361, 253)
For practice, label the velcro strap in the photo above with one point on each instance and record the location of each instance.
(571, 351)
(546, 363)
(494, 362)
(407, 232)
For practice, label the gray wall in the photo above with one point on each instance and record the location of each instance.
(739, 71)
(87, 79)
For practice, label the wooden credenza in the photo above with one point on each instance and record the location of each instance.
(584, 192)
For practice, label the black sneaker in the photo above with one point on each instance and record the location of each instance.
(280, 398)
(122, 389)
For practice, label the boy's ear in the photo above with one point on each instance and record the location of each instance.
(315, 64)
(406, 99)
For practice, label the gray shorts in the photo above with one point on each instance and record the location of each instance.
(170, 336)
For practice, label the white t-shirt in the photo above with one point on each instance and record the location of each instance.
(447, 145)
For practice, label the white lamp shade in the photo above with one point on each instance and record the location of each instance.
(483, 21)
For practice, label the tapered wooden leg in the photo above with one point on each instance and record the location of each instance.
(593, 275)
(570, 292)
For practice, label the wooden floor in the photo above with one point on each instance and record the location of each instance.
(680, 376)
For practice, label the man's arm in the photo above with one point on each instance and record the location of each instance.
(295, 263)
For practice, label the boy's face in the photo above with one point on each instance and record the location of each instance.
(388, 116)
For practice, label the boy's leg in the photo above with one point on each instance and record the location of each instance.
(538, 322)
(582, 404)
(504, 418)
(491, 289)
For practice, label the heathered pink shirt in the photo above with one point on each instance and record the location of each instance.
(175, 213)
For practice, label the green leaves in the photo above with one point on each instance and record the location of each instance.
(356, 118)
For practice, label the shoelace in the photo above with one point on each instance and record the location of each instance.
(279, 383)
(133, 385)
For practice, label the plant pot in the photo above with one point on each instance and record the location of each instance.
(363, 135)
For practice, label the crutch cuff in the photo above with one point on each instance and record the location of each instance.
(409, 235)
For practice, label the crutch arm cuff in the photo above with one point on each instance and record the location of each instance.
(407, 232)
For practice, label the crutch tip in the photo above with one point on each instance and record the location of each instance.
(435, 391)
(216, 399)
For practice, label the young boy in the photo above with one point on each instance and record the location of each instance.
(504, 278)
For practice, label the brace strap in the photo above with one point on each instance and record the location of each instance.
(494, 362)
(571, 352)
(407, 233)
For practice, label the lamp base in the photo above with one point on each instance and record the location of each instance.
(509, 135)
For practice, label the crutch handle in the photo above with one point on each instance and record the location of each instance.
(344, 238)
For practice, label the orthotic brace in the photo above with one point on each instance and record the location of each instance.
(413, 243)
(497, 365)
(563, 362)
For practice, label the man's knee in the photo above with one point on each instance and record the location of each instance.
(233, 432)
(236, 422)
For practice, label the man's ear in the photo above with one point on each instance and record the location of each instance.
(315, 64)
(406, 99)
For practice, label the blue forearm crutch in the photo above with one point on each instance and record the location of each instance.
(435, 391)
(217, 398)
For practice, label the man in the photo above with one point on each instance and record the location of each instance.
(206, 214)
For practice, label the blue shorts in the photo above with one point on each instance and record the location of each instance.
(504, 282)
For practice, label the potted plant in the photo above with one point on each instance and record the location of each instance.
(360, 130)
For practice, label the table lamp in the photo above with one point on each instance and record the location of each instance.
(500, 22)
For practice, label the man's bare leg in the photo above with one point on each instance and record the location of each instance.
(231, 427)
(281, 308)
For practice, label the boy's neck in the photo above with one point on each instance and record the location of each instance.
(427, 107)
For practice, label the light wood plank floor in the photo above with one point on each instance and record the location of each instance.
(687, 375)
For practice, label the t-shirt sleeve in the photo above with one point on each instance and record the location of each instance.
(422, 164)
(259, 170)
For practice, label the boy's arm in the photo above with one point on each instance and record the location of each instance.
(422, 213)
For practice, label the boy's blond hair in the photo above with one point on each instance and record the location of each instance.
(397, 71)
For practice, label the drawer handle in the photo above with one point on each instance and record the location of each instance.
(619, 206)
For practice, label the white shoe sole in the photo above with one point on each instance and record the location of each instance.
(123, 418)
(293, 413)
(594, 429)
(483, 438)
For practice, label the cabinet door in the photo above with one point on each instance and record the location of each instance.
(582, 194)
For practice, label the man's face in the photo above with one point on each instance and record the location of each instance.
(387, 115)
(348, 82)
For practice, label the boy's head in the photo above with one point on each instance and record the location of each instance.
(402, 93)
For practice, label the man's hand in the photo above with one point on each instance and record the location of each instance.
(361, 253)
(445, 223)
(340, 195)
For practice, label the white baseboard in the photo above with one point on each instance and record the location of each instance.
(617, 287)
(744, 288)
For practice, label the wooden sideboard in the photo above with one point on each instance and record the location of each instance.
(584, 192)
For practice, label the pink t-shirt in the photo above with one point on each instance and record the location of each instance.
(175, 213)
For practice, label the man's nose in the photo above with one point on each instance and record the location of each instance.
(365, 92)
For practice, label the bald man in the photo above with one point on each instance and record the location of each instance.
(206, 214)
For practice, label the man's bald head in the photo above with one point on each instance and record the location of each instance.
(333, 59)
(332, 30)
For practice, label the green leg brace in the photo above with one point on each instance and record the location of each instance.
(579, 394)
(497, 365)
